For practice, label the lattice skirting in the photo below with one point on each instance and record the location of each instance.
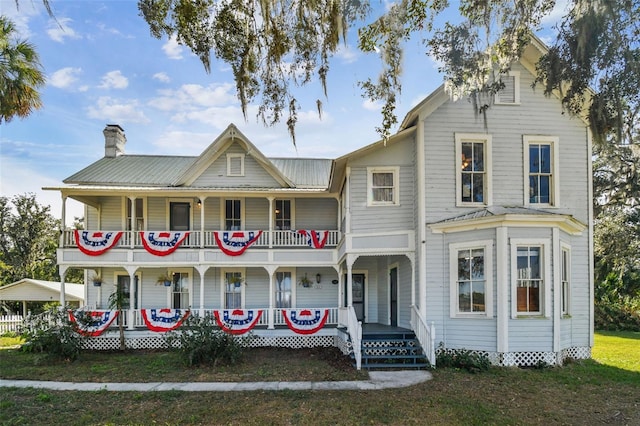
(111, 341)
(530, 359)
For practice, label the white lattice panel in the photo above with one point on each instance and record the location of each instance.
(530, 359)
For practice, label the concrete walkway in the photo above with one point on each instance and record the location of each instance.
(377, 380)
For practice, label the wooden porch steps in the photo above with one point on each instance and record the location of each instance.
(392, 349)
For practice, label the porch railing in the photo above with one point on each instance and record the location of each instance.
(133, 317)
(349, 319)
(205, 239)
(426, 335)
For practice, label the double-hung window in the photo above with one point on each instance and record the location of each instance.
(382, 186)
(473, 169)
(471, 272)
(284, 289)
(282, 214)
(135, 210)
(565, 279)
(530, 260)
(233, 286)
(232, 215)
(541, 170)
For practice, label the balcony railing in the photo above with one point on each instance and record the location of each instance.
(206, 239)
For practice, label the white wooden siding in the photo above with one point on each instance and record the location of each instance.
(215, 176)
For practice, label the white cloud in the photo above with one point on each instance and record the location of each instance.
(60, 29)
(162, 77)
(117, 111)
(370, 105)
(172, 49)
(190, 97)
(559, 10)
(64, 77)
(183, 142)
(114, 80)
(347, 54)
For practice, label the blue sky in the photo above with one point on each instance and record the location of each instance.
(103, 67)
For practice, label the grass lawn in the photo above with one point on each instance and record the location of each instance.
(603, 390)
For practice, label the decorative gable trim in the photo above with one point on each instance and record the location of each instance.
(218, 147)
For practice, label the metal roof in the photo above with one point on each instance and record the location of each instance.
(153, 170)
(161, 171)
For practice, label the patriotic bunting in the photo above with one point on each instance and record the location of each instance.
(92, 323)
(94, 243)
(315, 239)
(162, 243)
(234, 243)
(163, 320)
(237, 321)
(305, 321)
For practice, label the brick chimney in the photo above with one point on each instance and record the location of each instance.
(114, 140)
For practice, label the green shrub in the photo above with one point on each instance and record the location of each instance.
(617, 313)
(472, 361)
(200, 341)
(52, 333)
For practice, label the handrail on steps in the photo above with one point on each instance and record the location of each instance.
(354, 328)
(426, 335)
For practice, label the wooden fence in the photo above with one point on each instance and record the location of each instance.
(10, 323)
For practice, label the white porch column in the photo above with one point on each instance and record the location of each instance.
(63, 215)
(202, 270)
(131, 312)
(350, 261)
(340, 285)
(63, 274)
(132, 222)
(202, 200)
(270, 221)
(24, 309)
(271, 270)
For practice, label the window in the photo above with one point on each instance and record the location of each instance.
(471, 271)
(180, 216)
(510, 93)
(283, 289)
(530, 277)
(180, 290)
(541, 170)
(473, 169)
(232, 215)
(235, 164)
(138, 211)
(565, 272)
(383, 186)
(529, 280)
(233, 284)
(283, 214)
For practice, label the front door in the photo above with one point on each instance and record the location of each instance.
(357, 291)
(393, 297)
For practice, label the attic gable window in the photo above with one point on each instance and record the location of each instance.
(235, 164)
(510, 93)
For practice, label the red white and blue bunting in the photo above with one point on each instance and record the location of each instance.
(237, 321)
(305, 321)
(92, 323)
(234, 243)
(162, 243)
(94, 243)
(163, 320)
(315, 239)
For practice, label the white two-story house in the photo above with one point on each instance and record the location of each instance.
(468, 231)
